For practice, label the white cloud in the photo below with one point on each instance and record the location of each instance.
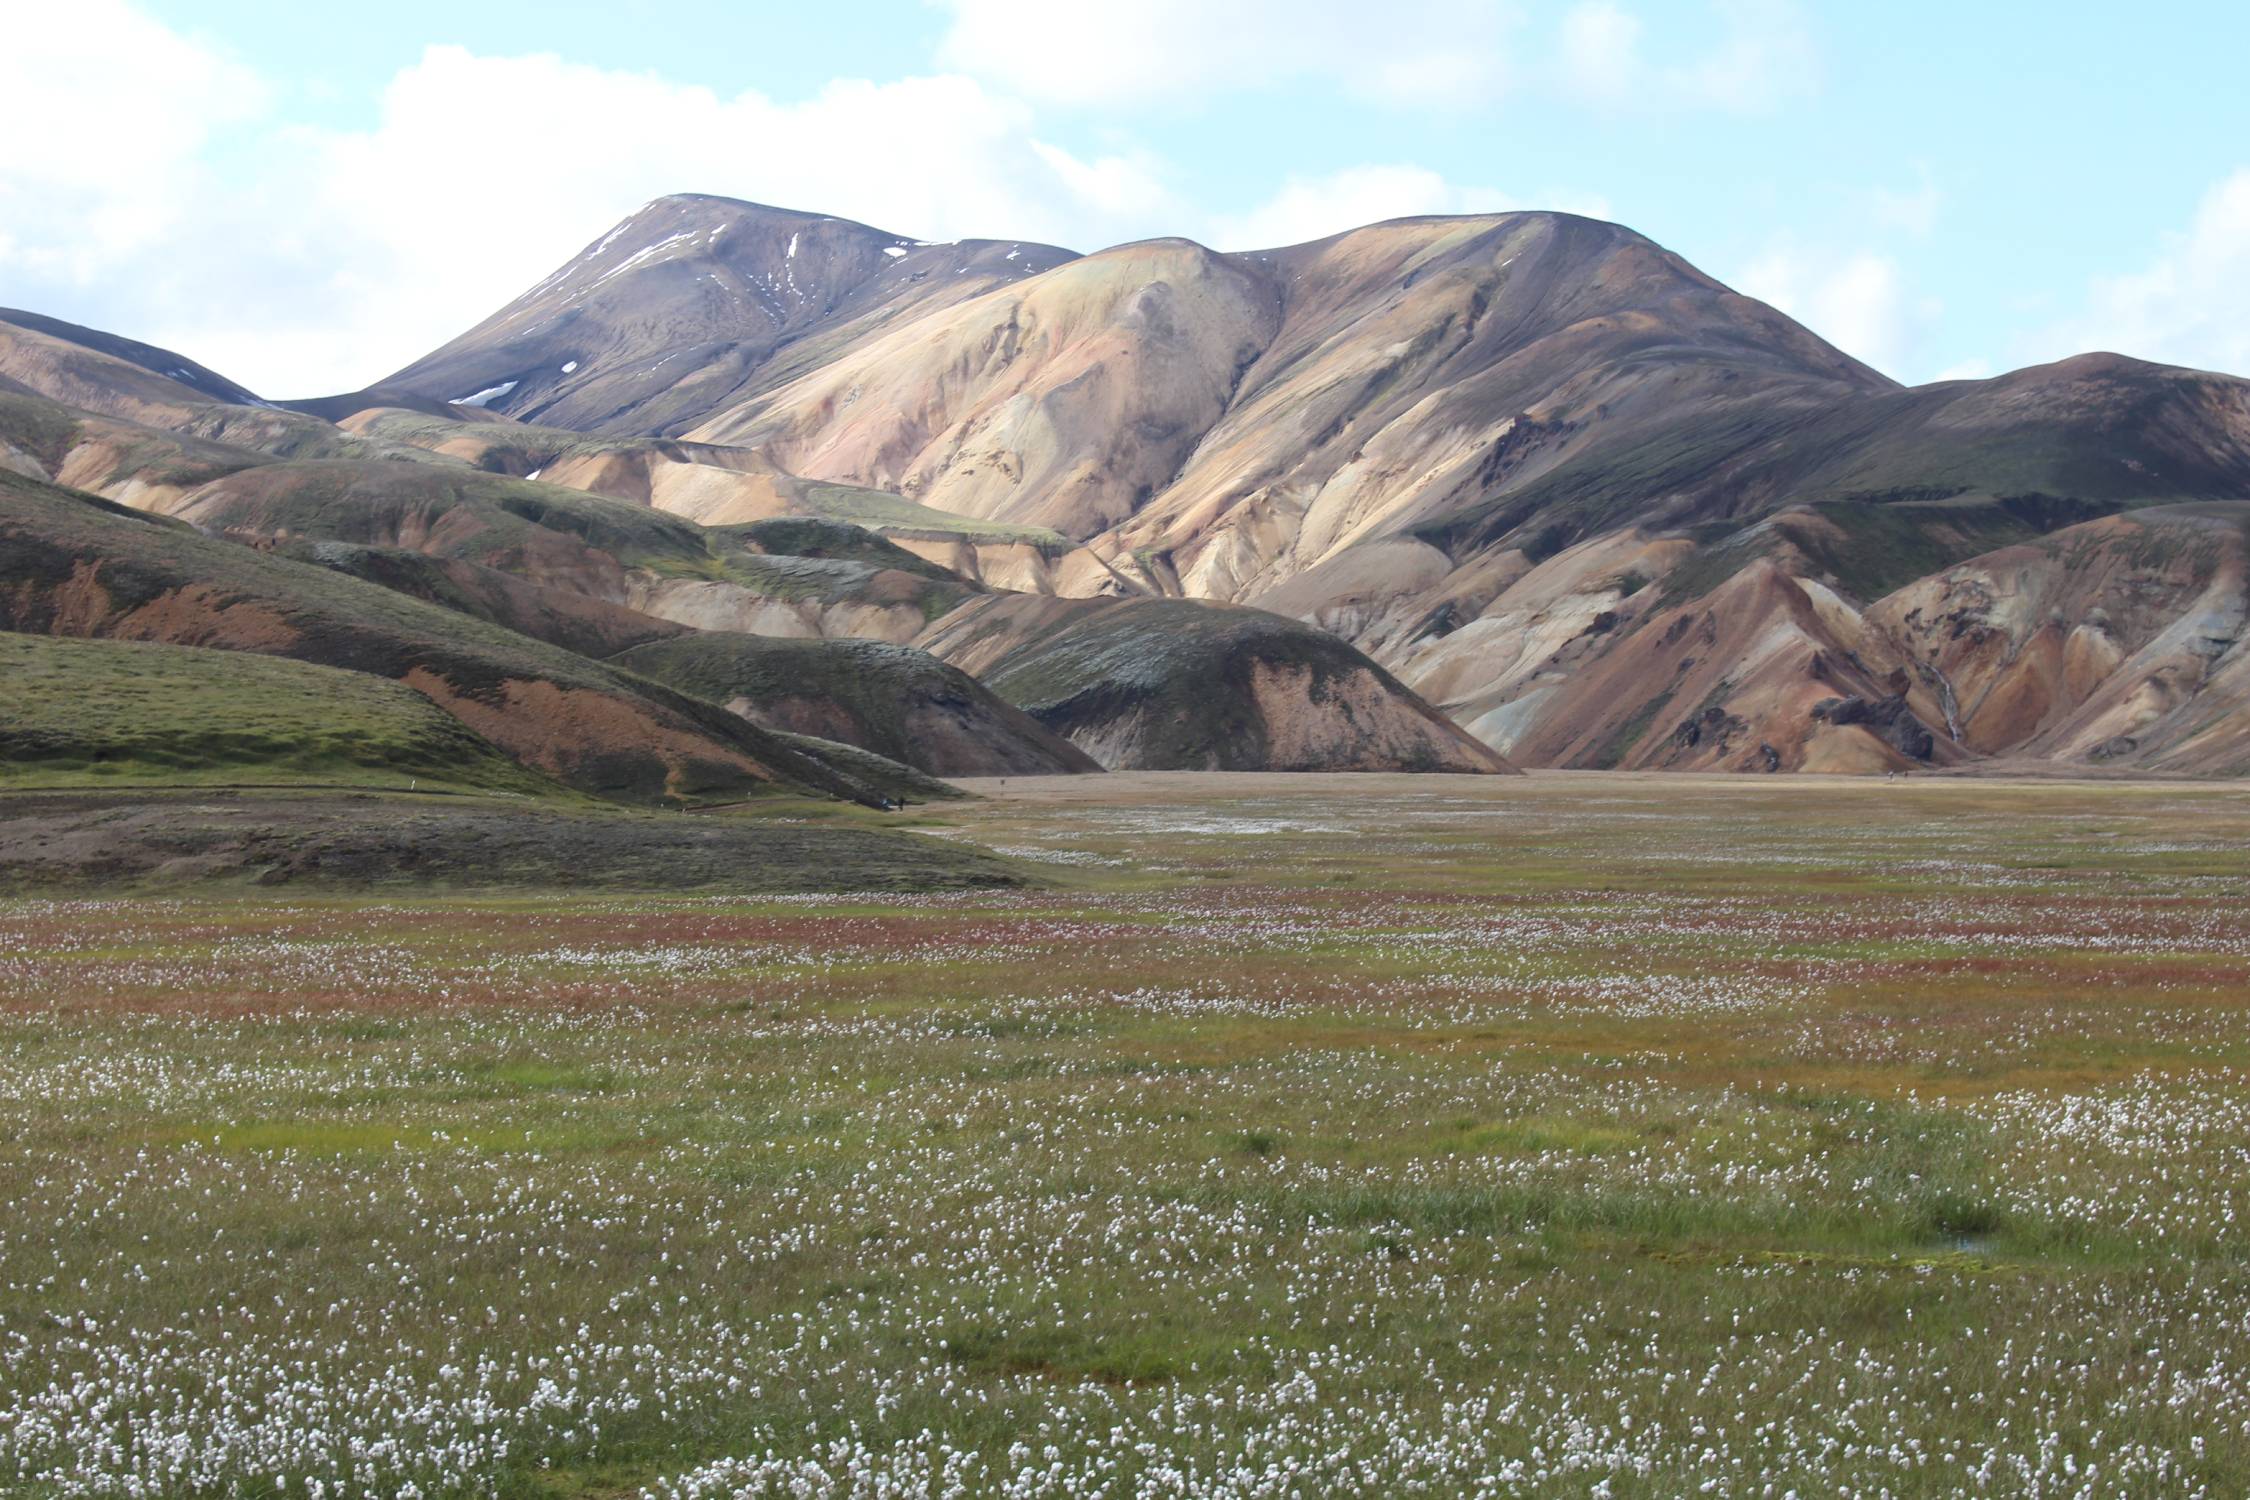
(2190, 305)
(87, 179)
(1408, 52)
(1752, 56)
(1311, 208)
(1764, 55)
(1858, 301)
(352, 253)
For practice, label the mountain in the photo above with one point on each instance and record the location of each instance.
(1533, 469)
(1600, 507)
(99, 375)
(692, 302)
(1250, 413)
(107, 368)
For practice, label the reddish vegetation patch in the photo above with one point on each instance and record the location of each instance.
(572, 732)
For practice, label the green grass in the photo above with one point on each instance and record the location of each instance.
(1401, 1134)
(80, 713)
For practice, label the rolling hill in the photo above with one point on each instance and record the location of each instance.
(894, 700)
(74, 566)
(98, 713)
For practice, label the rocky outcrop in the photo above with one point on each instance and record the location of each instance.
(2118, 642)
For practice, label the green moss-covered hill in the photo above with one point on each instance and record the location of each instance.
(92, 713)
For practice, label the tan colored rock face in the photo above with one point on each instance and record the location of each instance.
(1247, 416)
(1062, 402)
(2115, 641)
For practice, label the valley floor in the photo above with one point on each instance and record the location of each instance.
(1305, 1135)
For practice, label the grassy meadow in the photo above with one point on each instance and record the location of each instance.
(1302, 1136)
(95, 713)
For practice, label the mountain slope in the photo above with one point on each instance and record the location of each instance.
(91, 713)
(73, 566)
(101, 375)
(681, 309)
(2120, 641)
(558, 616)
(610, 551)
(712, 484)
(1063, 402)
(98, 363)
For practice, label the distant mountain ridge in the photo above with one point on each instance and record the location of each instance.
(1599, 507)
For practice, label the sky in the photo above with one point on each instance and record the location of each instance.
(308, 197)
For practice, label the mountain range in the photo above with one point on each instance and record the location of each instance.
(1444, 493)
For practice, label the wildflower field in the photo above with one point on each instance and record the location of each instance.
(1300, 1136)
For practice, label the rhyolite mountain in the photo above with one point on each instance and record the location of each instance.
(1597, 507)
(1601, 508)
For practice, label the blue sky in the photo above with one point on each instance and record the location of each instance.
(307, 197)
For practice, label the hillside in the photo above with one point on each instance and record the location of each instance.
(713, 485)
(95, 713)
(103, 375)
(1168, 684)
(103, 370)
(609, 551)
(2122, 641)
(73, 566)
(894, 700)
